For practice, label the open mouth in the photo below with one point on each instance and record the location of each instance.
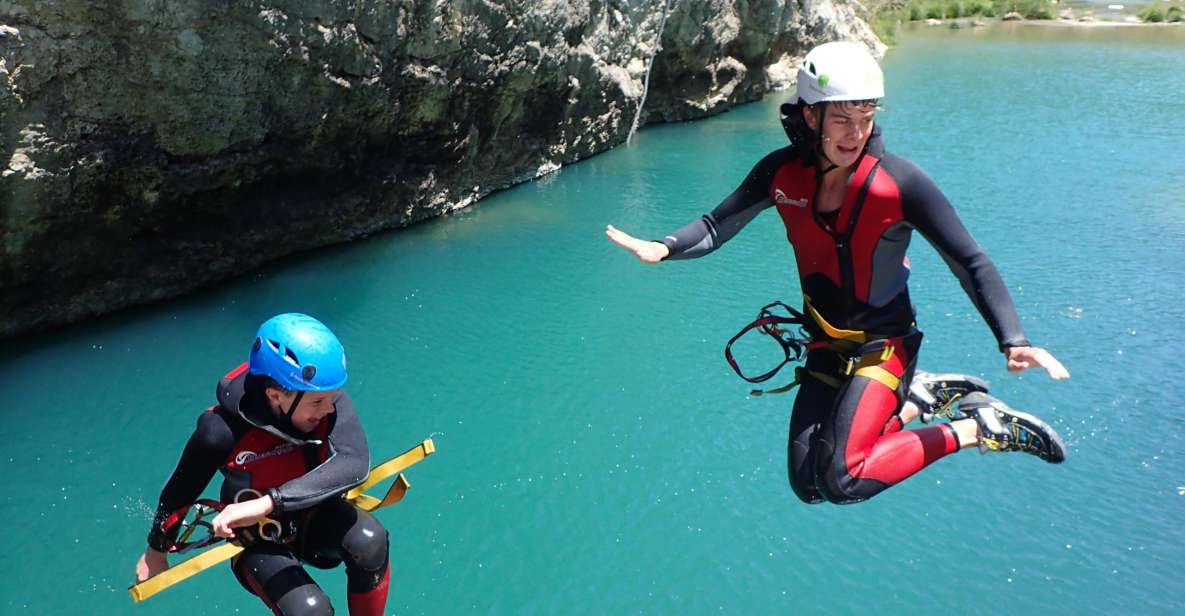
(845, 149)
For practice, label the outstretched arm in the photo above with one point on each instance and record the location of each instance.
(712, 230)
(927, 209)
(646, 251)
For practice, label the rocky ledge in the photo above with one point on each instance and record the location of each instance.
(155, 146)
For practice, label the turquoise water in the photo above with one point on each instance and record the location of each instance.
(595, 453)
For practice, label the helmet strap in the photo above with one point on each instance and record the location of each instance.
(821, 156)
(295, 402)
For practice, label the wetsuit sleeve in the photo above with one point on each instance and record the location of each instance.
(712, 230)
(348, 464)
(206, 450)
(928, 211)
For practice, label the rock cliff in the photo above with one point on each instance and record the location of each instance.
(154, 146)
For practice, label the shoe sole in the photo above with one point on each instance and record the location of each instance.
(951, 377)
(940, 379)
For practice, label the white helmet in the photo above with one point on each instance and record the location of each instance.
(839, 72)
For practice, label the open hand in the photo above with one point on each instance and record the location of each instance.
(646, 251)
(1022, 358)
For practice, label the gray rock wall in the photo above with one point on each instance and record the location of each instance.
(153, 146)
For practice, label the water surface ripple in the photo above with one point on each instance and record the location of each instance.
(596, 455)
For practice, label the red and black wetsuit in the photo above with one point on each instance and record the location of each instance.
(846, 443)
(306, 475)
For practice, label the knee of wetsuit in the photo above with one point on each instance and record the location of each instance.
(829, 476)
(307, 600)
(804, 489)
(366, 545)
(835, 484)
(832, 489)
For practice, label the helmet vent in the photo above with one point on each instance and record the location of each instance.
(291, 357)
(275, 345)
(810, 68)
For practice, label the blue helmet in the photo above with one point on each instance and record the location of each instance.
(299, 353)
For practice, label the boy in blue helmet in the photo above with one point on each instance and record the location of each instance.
(288, 442)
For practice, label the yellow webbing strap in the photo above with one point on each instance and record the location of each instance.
(386, 469)
(879, 375)
(395, 494)
(213, 556)
(826, 379)
(183, 571)
(832, 332)
(780, 390)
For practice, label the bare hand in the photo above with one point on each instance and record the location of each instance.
(238, 515)
(647, 252)
(1022, 358)
(151, 563)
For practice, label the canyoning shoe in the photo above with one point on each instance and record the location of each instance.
(935, 393)
(1004, 429)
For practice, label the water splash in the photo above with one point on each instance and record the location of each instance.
(135, 507)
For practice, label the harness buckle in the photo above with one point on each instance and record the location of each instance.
(267, 529)
(880, 353)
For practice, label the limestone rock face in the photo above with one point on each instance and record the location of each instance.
(153, 146)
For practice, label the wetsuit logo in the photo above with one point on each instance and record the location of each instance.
(247, 456)
(781, 199)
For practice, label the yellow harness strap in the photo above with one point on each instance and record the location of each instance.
(213, 556)
(183, 571)
(843, 342)
(850, 335)
(391, 467)
(879, 375)
(780, 390)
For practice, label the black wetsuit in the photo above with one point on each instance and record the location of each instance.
(846, 442)
(306, 476)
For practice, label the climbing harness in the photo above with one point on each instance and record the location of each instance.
(856, 354)
(196, 532)
(792, 339)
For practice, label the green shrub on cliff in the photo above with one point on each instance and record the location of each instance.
(886, 14)
(918, 10)
(1152, 14)
(885, 26)
(1031, 9)
(980, 7)
(1157, 14)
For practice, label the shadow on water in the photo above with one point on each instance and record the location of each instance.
(287, 284)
